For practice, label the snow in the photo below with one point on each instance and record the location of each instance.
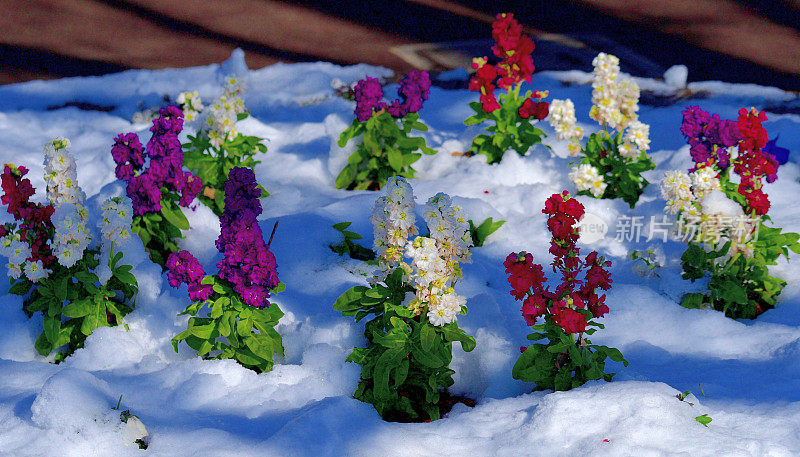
(744, 374)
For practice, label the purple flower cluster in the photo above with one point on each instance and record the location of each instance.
(369, 98)
(129, 155)
(709, 136)
(414, 90)
(182, 267)
(247, 264)
(165, 168)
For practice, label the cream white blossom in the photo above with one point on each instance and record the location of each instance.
(71, 237)
(562, 119)
(35, 271)
(191, 103)
(433, 261)
(638, 133)
(586, 177)
(222, 114)
(60, 173)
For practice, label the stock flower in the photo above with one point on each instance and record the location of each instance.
(369, 98)
(393, 221)
(60, 173)
(562, 119)
(587, 177)
(446, 309)
(537, 110)
(35, 224)
(247, 261)
(183, 267)
(514, 49)
(524, 275)
(709, 137)
(128, 154)
(568, 319)
(145, 194)
(191, 104)
(71, 236)
(414, 90)
(220, 124)
(35, 271)
(638, 133)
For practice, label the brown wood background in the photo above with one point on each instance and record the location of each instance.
(745, 40)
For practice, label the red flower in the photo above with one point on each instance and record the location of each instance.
(539, 110)
(523, 274)
(534, 306)
(569, 320)
(597, 276)
(758, 201)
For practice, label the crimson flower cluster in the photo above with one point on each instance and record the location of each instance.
(35, 227)
(248, 263)
(514, 49)
(752, 163)
(165, 166)
(561, 306)
(709, 137)
(182, 267)
(414, 90)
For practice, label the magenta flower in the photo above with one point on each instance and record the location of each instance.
(248, 263)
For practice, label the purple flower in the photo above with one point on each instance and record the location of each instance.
(146, 195)
(709, 136)
(128, 154)
(189, 186)
(164, 145)
(169, 120)
(182, 267)
(247, 262)
(368, 95)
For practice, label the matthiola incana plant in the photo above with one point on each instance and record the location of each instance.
(413, 304)
(76, 285)
(157, 183)
(232, 317)
(614, 158)
(512, 118)
(567, 358)
(218, 146)
(724, 222)
(385, 147)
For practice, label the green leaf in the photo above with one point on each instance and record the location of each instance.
(97, 318)
(704, 419)
(43, 346)
(78, 308)
(175, 217)
(346, 177)
(21, 287)
(426, 337)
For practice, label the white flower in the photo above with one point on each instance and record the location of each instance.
(71, 236)
(35, 271)
(638, 133)
(628, 150)
(14, 270)
(562, 119)
(615, 100)
(586, 177)
(60, 174)
(676, 186)
(704, 181)
(221, 116)
(446, 309)
(191, 104)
